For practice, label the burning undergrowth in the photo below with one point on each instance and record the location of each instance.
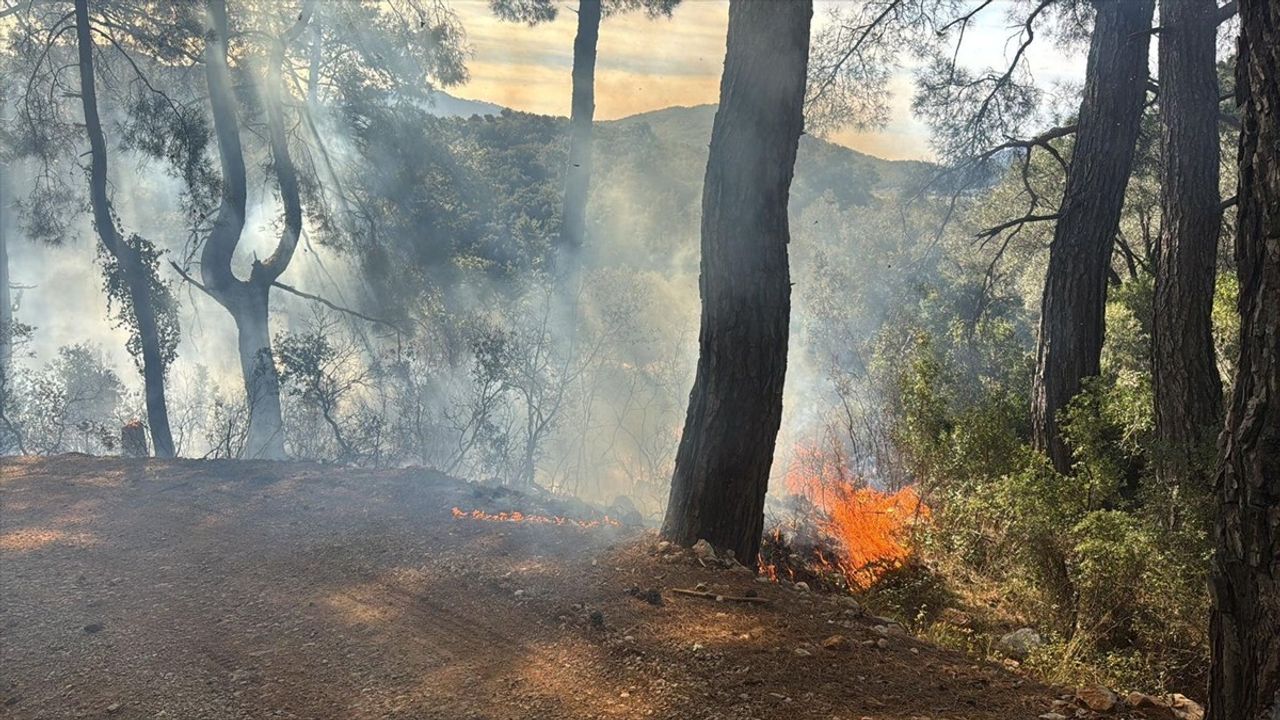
(834, 532)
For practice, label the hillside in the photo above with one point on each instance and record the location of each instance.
(217, 589)
(820, 165)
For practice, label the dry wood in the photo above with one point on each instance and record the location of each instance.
(716, 597)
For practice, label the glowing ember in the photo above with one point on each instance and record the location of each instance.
(516, 516)
(870, 528)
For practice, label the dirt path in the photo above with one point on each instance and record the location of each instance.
(209, 590)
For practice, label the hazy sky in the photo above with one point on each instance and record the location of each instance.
(648, 64)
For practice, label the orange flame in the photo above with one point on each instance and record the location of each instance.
(516, 516)
(871, 527)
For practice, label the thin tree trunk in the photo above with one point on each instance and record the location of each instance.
(1244, 680)
(1075, 292)
(1188, 391)
(6, 301)
(248, 301)
(577, 183)
(726, 450)
(127, 258)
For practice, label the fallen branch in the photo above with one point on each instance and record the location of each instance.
(719, 598)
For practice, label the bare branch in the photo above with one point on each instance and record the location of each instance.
(333, 306)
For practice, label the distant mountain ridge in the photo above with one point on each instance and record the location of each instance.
(690, 127)
(445, 105)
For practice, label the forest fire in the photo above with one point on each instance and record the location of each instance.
(861, 532)
(516, 516)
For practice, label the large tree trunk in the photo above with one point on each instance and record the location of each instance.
(726, 450)
(1188, 391)
(248, 301)
(1244, 681)
(136, 274)
(577, 182)
(1075, 291)
(265, 437)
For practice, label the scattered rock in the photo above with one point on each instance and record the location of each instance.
(1019, 643)
(652, 596)
(519, 593)
(802, 586)
(1142, 700)
(697, 647)
(1184, 708)
(838, 643)
(597, 619)
(849, 603)
(1098, 698)
(664, 547)
(802, 652)
(1053, 716)
(700, 587)
(624, 510)
(703, 550)
(113, 707)
(92, 628)
(882, 643)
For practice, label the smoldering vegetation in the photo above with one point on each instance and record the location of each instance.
(424, 309)
(433, 335)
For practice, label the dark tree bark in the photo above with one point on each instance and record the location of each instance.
(128, 258)
(577, 183)
(726, 450)
(248, 300)
(1075, 292)
(1188, 391)
(1244, 680)
(6, 302)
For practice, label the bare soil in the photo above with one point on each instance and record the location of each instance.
(209, 589)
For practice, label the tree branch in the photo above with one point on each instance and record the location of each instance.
(1228, 11)
(1018, 222)
(333, 306)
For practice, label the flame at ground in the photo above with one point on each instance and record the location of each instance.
(870, 529)
(516, 516)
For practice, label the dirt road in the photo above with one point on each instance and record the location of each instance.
(209, 590)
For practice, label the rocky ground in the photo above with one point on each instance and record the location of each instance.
(209, 590)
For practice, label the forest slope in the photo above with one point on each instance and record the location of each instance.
(140, 589)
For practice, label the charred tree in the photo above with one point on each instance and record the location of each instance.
(1244, 680)
(248, 300)
(577, 179)
(1188, 391)
(1069, 347)
(129, 256)
(735, 408)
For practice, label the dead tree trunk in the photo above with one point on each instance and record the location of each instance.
(1244, 680)
(1071, 312)
(248, 301)
(726, 450)
(128, 258)
(577, 183)
(1188, 391)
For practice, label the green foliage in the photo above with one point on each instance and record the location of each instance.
(143, 275)
(1103, 559)
(72, 404)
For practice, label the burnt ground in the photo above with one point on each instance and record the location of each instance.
(209, 589)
